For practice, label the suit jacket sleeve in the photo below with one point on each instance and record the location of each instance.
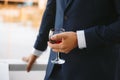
(48, 21)
(104, 34)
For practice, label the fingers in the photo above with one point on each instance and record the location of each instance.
(53, 46)
(58, 47)
(30, 60)
(29, 66)
(25, 59)
(61, 50)
(68, 42)
(59, 36)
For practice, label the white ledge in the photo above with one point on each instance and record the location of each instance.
(19, 65)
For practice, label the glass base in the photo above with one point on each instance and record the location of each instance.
(58, 61)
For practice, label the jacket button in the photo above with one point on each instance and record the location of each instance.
(65, 17)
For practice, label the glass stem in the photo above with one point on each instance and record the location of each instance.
(58, 56)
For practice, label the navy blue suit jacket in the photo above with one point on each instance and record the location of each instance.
(100, 19)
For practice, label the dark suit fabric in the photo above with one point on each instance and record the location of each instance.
(100, 19)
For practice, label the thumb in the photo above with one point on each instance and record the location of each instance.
(59, 36)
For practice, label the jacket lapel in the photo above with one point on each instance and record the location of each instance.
(68, 4)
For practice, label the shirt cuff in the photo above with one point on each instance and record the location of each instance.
(81, 39)
(37, 52)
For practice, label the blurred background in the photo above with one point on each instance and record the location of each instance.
(19, 25)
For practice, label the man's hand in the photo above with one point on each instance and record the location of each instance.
(30, 60)
(69, 42)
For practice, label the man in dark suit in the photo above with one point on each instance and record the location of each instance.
(91, 43)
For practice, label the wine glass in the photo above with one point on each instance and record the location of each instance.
(54, 31)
